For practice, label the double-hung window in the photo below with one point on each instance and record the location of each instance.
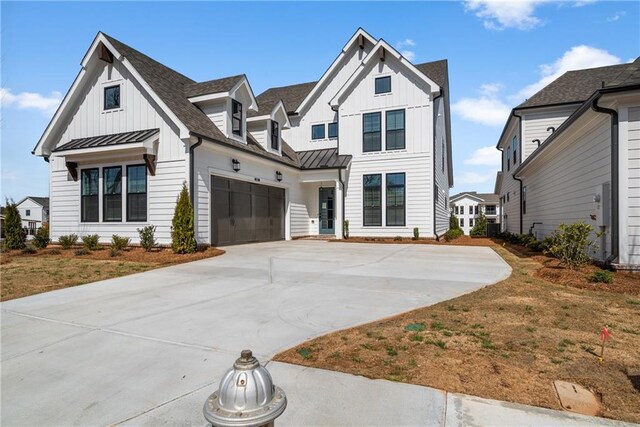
(317, 131)
(395, 199)
(137, 193)
(236, 117)
(372, 200)
(371, 132)
(89, 195)
(514, 143)
(112, 194)
(461, 222)
(471, 222)
(383, 84)
(395, 130)
(461, 210)
(457, 210)
(275, 135)
(508, 158)
(112, 97)
(333, 130)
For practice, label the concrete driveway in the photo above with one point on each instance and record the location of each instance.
(125, 351)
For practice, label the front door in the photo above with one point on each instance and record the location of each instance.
(327, 225)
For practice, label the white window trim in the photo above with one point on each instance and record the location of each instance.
(103, 86)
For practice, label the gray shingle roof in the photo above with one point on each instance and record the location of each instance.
(486, 197)
(577, 86)
(107, 140)
(224, 84)
(323, 159)
(436, 71)
(42, 201)
(292, 96)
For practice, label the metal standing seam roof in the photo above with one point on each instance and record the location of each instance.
(327, 158)
(108, 140)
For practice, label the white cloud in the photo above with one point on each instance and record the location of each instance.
(407, 53)
(576, 58)
(484, 156)
(498, 15)
(616, 16)
(405, 42)
(410, 55)
(487, 109)
(581, 3)
(474, 178)
(30, 100)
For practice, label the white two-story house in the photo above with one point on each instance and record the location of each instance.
(368, 143)
(570, 153)
(468, 206)
(34, 211)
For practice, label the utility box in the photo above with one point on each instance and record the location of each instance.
(602, 200)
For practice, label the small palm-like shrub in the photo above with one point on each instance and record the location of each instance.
(571, 244)
(147, 237)
(91, 242)
(119, 243)
(68, 241)
(601, 276)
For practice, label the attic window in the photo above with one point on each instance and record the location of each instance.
(275, 135)
(112, 97)
(383, 84)
(236, 117)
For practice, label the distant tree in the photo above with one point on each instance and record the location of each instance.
(183, 237)
(453, 223)
(14, 233)
(480, 228)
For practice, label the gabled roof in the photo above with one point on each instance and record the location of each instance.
(291, 96)
(42, 201)
(470, 194)
(498, 185)
(224, 84)
(436, 71)
(576, 86)
(108, 140)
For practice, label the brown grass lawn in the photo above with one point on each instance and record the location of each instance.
(22, 275)
(508, 341)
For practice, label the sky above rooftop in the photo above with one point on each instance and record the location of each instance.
(499, 54)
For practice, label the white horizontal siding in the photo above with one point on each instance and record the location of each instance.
(633, 188)
(562, 182)
(536, 122)
(441, 169)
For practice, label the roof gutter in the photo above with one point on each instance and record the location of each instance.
(615, 237)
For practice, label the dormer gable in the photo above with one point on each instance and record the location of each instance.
(266, 129)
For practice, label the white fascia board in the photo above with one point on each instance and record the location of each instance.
(209, 97)
(135, 146)
(336, 62)
(373, 55)
(463, 195)
(245, 82)
(272, 115)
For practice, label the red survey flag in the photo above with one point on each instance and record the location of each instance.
(605, 334)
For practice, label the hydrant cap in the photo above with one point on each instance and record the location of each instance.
(246, 396)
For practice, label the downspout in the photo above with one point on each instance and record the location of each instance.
(344, 193)
(615, 238)
(520, 181)
(520, 143)
(433, 166)
(192, 177)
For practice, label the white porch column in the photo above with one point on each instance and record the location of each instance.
(338, 209)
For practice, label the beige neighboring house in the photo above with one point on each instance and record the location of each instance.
(468, 206)
(34, 211)
(571, 153)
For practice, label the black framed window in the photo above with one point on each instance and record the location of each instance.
(383, 84)
(112, 194)
(27, 212)
(317, 131)
(372, 200)
(371, 133)
(514, 143)
(461, 222)
(471, 222)
(137, 193)
(275, 135)
(395, 130)
(457, 210)
(461, 210)
(524, 200)
(89, 195)
(395, 199)
(112, 97)
(333, 130)
(508, 158)
(236, 117)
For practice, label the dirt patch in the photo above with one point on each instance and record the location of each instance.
(53, 268)
(509, 341)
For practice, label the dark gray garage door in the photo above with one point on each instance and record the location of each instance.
(243, 212)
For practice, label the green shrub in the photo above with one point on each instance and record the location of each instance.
(41, 239)
(547, 243)
(601, 276)
(571, 244)
(453, 234)
(183, 238)
(29, 249)
(82, 251)
(14, 235)
(397, 238)
(454, 224)
(114, 252)
(480, 227)
(147, 237)
(68, 241)
(119, 243)
(416, 233)
(536, 245)
(345, 232)
(91, 242)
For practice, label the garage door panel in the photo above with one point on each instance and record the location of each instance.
(261, 216)
(242, 218)
(221, 218)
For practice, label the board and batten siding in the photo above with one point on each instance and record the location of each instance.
(562, 181)
(536, 122)
(510, 189)
(632, 185)
(138, 112)
(441, 169)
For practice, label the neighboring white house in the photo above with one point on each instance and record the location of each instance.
(572, 153)
(369, 143)
(468, 206)
(34, 211)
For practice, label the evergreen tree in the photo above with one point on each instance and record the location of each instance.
(13, 232)
(453, 223)
(183, 238)
(480, 227)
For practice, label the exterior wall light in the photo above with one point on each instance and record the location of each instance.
(279, 176)
(236, 165)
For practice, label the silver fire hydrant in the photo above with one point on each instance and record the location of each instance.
(246, 396)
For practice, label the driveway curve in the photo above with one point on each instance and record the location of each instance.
(116, 351)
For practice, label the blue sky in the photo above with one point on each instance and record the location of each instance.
(499, 54)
